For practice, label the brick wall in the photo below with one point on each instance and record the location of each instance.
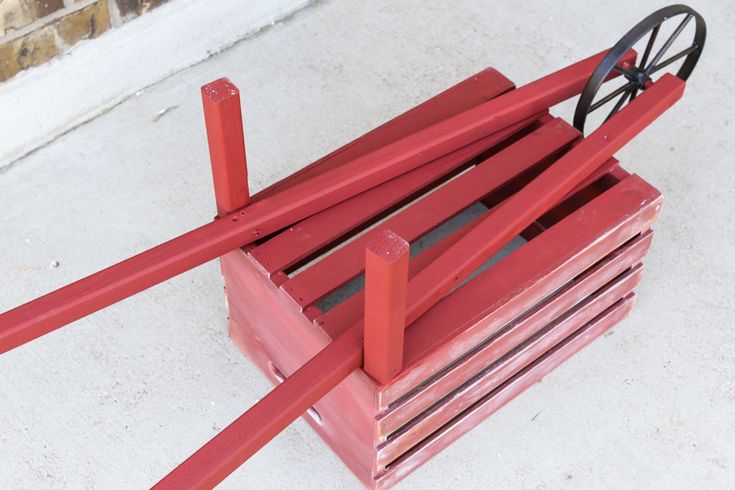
(34, 31)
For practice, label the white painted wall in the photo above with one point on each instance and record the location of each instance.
(42, 103)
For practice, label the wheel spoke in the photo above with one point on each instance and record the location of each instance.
(610, 96)
(619, 104)
(668, 43)
(674, 58)
(633, 94)
(649, 46)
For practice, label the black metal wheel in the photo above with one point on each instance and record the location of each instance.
(638, 76)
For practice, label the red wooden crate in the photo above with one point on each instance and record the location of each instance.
(489, 339)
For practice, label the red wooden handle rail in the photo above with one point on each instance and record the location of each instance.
(81, 298)
(241, 439)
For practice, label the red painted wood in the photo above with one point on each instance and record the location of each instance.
(488, 379)
(386, 279)
(223, 118)
(507, 338)
(509, 288)
(433, 209)
(276, 336)
(308, 236)
(612, 208)
(504, 394)
(519, 211)
(351, 309)
(266, 216)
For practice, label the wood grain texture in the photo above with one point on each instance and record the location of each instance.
(495, 400)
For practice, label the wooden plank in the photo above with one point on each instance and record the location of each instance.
(433, 209)
(223, 118)
(491, 376)
(310, 235)
(460, 369)
(495, 400)
(386, 278)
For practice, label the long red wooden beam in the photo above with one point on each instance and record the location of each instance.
(235, 444)
(81, 298)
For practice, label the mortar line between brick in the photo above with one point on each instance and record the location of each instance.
(44, 21)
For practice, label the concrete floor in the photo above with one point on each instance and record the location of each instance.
(121, 397)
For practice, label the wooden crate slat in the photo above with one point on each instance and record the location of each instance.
(495, 400)
(423, 215)
(428, 391)
(308, 236)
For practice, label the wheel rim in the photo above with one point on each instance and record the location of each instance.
(638, 76)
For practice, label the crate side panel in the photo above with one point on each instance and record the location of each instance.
(271, 329)
(514, 284)
(517, 331)
(497, 373)
(500, 397)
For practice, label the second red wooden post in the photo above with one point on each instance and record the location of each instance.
(386, 280)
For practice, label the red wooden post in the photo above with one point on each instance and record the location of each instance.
(223, 117)
(386, 280)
